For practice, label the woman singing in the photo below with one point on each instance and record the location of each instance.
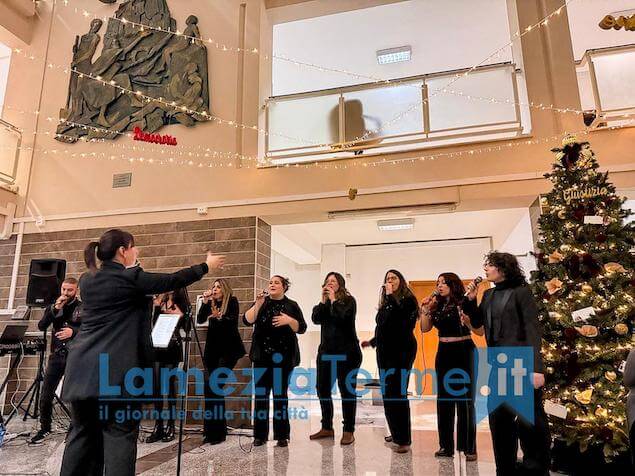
(396, 350)
(456, 351)
(336, 316)
(114, 339)
(274, 353)
(175, 302)
(223, 348)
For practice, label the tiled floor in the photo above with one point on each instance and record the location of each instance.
(369, 455)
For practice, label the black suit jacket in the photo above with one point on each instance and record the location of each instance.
(116, 321)
(510, 320)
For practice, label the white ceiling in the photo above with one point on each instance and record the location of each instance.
(303, 242)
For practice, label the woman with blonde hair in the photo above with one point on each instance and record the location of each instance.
(223, 348)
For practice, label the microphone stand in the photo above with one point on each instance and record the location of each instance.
(187, 316)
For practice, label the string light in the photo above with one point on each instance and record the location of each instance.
(519, 34)
(342, 166)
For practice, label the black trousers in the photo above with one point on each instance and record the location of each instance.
(278, 387)
(100, 443)
(508, 428)
(454, 399)
(215, 424)
(326, 379)
(52, 377)
(159, 394)
(395, 396)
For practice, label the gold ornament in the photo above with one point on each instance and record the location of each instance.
(601, 412)
(553, 286)
(586, 288)
(610, 376)
(555, 257)
(569, 139)
(621, 329)
(562, 215)
(614, 268)
(587, 330)
(584, 397)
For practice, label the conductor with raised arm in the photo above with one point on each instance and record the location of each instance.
(114, 338)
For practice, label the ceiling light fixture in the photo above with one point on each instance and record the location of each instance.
(394, 55)
(396, 225)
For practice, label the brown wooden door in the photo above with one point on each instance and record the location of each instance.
(428, 343)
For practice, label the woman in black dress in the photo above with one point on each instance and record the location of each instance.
(223, 348)
(175, 302)
(336, 316)
(274, 352)
(443, 310)
(396, 351)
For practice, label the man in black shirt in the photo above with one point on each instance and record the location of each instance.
(64, 315)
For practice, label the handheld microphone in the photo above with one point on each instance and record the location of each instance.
(435, 293)
(473, 284)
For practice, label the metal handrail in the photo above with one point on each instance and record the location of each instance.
(603, 115)
(425, 135)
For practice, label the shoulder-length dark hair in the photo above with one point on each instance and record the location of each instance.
(342, 293)
(106, 248)
(402, 292)
(180, 298)
(508, 265)
(457, 289)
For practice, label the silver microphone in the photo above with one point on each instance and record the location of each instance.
(474, 284)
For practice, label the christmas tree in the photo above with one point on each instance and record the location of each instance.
(585, 285)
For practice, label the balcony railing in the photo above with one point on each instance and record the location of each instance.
(605, 78)
(406, 114)
(10, 143)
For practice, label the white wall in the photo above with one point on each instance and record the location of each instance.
(584, 16)
(5, 61)
(442, 35)
(520, 242)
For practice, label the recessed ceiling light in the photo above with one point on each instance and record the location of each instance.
(396, 225)
(394, 55)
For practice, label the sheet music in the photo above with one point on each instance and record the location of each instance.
(164, 329)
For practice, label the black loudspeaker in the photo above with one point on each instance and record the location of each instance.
(45, 280)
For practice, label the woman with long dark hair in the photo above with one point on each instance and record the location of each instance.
(174, 302)
(509, 315)
(275, 353)
(456, 351)
(114, 339)
(335, 314)
(396, 351)
(223, 348)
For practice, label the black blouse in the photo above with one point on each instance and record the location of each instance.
(223, 340)
(447, 320)
(268, 340)
(337, 320)
(394, 337)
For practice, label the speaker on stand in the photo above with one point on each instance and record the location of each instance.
(45, 280)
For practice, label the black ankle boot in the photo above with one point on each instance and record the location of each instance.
(157, 433)
(168, 434)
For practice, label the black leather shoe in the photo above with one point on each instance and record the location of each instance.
(282, 443)
(168, 435)
(443, 453)
(156, 435)
(258, 442)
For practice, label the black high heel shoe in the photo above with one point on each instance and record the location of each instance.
(157, 434)
(169, 432)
